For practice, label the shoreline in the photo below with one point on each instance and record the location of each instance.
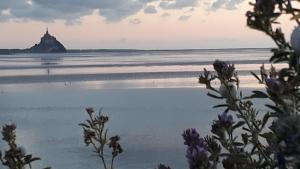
(13, 51)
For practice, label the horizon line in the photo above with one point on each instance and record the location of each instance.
(166, 49)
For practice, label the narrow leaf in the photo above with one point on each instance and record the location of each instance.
(221, 105)
(214, 96)
(239, 124)
(256, 77)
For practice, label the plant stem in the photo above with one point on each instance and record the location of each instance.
(103, 161)
(112, 163)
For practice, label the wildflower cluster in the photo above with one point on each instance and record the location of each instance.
(15, 157)
(95, 135)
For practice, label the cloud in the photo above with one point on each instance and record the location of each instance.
(150, 10)
(191, 10)
(184, 17)
(135, 21)
(68, 10)
(227, 4)
(177, 4)
(164, 15)
(6, 12)
(71, 11)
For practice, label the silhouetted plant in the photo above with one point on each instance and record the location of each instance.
(161, 166)
(254, 139)
(95, 135)
(15, 157)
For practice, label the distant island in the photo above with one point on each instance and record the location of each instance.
(48, 44)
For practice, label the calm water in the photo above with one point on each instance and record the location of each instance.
(150, 96)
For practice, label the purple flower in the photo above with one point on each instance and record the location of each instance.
(192, 138)
(275, 85)
(225, 119)
(224, 69)
(196, 153)
(197, 156)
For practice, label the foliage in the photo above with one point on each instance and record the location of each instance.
(95, 135)
(254, 139)
(15, 157)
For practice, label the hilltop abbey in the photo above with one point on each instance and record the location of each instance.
(48, 44)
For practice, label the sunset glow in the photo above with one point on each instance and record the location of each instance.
(191, 26)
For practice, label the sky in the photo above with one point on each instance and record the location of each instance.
(131, 24)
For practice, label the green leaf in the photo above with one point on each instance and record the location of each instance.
(84, 125)
(265, 119)
(256, 77)
(276, 109)
(214, 96)
(267, 136)
(238, 144)
(260, 94)
(253, 149)
(221, 105)
(34, 159)
(90, 123)
(225, 154)
(244, 128)
(239, 124)
(257, 94)
(245, 138)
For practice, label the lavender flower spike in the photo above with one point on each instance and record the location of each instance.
(192, 138)
(225, 119)
(196, 153)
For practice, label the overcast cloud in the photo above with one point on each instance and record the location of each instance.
(184, 17)
(150, 9)
(178, 4)
(135, 21)
(71, 11)
(226, 4)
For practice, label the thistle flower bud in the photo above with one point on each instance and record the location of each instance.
(115, 145)
(90, 110)
(161, 166)
(22, 151)
(219, 66)
(8, 132)
(228, 91)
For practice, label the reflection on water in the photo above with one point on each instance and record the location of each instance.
(122, 65)
(247, 81)
(49, 60)
(124, 69)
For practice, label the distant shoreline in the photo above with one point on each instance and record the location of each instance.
(22, 51)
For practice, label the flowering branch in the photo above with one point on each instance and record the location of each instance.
(95, 134)
(15, 157)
